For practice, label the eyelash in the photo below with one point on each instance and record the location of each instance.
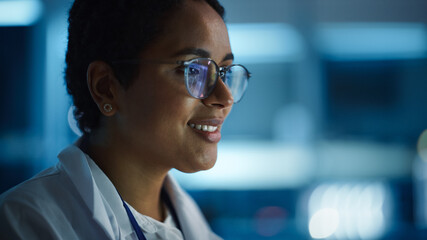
(180, 68)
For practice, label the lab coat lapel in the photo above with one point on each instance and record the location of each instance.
(75, 165)
(193, 224)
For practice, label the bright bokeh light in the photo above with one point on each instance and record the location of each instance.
(347, 211)
(72, 122)
(422, 145)
(373, 40)
(253, 165)
(20, 12)
(324, 223)
(265, 42)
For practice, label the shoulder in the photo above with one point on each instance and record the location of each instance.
(37, 189)
(50, 186)
(62, 202)
(33, 207)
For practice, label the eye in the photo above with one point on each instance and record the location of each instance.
(193, 69)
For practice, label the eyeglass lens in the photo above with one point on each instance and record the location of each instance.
(236, 78)
(201, 76)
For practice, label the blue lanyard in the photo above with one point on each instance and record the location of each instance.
(135, 225)
(132, 219)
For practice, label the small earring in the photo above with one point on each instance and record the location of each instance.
(108, 108)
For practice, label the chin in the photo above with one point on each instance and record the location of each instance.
(208, 164)
(200, 163)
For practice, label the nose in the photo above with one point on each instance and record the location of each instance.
(220, 97)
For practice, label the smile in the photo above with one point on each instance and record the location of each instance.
(208, 129)
(205, 128)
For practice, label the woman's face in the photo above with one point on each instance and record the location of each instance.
(155, 113)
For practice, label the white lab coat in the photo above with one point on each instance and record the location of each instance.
(76, 200)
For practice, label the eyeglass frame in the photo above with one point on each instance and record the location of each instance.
(221, 71)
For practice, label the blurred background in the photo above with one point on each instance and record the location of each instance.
(326, 144)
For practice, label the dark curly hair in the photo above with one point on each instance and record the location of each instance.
(109, 30)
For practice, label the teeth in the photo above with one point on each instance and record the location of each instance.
(205, 128)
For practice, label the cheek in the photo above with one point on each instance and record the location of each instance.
(156, 112)
(161, 108)
(154, 123)
(154, 98)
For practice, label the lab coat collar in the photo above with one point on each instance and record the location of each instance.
(190, 216)
(109, 214)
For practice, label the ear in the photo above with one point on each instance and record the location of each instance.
(103, 86)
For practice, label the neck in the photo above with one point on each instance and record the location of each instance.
(139, 182)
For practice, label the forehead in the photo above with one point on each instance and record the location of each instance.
(195, 24)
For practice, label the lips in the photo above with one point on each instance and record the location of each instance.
(207, 129)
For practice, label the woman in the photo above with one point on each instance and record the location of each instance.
(152, 83)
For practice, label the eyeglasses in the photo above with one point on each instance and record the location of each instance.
(201, 76)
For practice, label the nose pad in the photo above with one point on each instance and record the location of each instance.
(222, 74)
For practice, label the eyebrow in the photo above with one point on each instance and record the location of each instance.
(201, 53)
(229, 56)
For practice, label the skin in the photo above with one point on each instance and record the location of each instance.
(147, 133)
